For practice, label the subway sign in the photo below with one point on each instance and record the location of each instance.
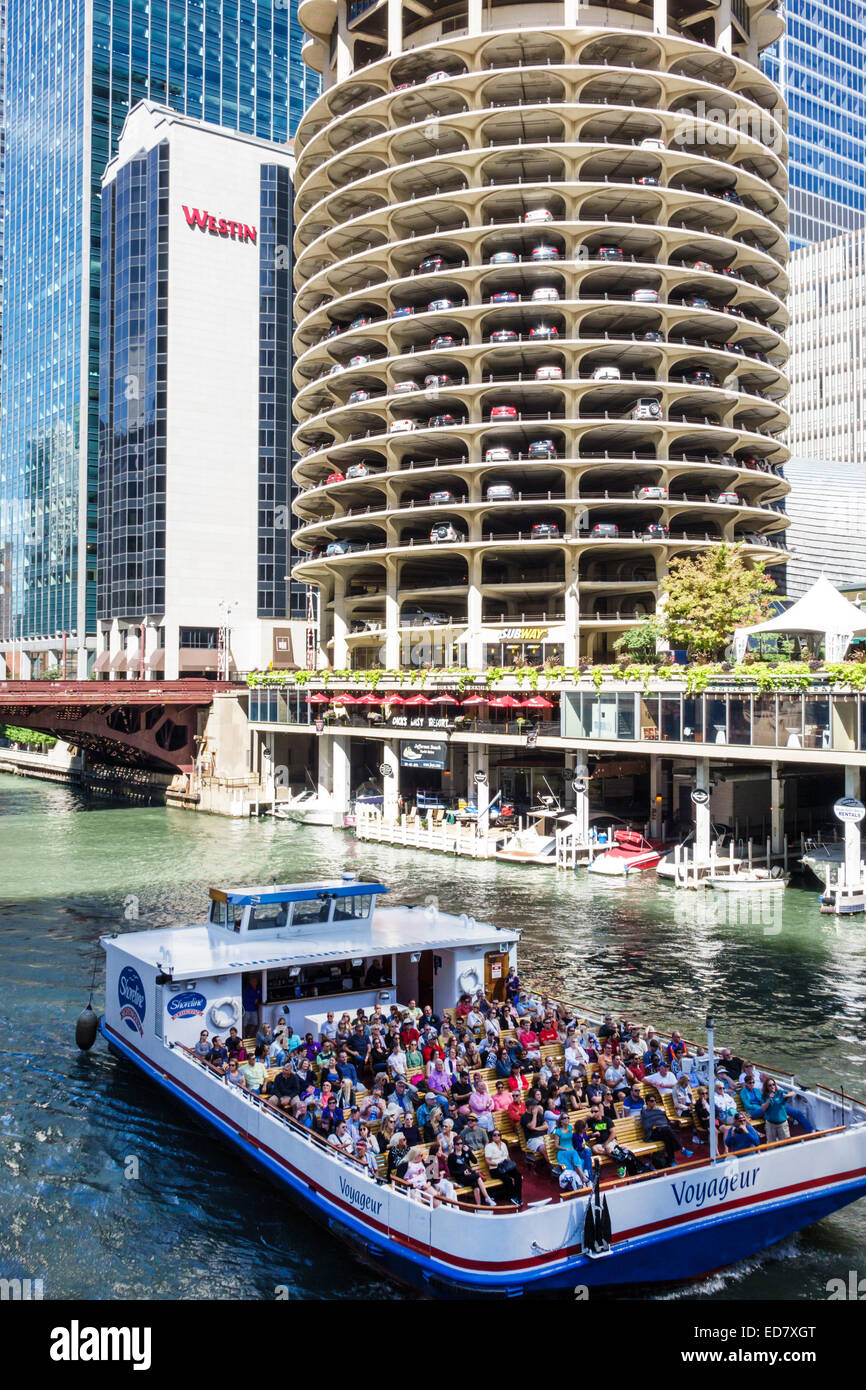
(218, 226)
(524, 634)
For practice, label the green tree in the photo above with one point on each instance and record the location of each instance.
(639, 642)
(26, 736)
(704, 598)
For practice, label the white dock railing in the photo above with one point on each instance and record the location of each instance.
(465, 838)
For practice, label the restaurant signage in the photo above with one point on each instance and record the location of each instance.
(421, 754)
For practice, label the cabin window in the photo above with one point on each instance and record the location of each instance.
(351, 909)
(267, 915)
(226, 915)
(312, 910)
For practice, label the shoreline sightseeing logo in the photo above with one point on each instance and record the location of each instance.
(130, 994)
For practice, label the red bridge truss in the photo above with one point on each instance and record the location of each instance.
(136, 723)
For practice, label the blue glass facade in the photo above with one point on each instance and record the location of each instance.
(819, 67)
(74, 69)
(132, 389)
(275, 333)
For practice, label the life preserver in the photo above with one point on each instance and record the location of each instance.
(468, 982)
(224, 1013)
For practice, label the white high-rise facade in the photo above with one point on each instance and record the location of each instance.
(827, 367)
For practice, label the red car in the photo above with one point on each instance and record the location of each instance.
(336, 478)
(503, 412)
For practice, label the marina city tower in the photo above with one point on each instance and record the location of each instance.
(540, 257)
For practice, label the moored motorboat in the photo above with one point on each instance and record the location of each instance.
(300, 950)
(630, 853)
(745, 880)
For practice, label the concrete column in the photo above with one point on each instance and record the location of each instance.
(581, 814)
(474, 644)
(655, 792)
(268, 763)
(392, 616)
(395, 27)
(702, 814)
(171, 638)
(325, 771)
(115, 646)
(133, 654)
(341, 627)
(572, 614)
(479, 792)
(569, 13)
(344, 46)
(341, 761)
(853, 842)
(391, 780)
(81, 662)
(151, 646)
(724, 29)
(777, 807)
(660, 16)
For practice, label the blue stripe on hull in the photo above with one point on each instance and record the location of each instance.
(681, 1254)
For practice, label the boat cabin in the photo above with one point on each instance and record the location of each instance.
(299, 951)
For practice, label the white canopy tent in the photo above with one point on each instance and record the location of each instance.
(823, 610)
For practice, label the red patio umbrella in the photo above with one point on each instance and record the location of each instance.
(538, 702)
(445, 700)
(394, 699)
(417, 700)
(476, 700)
(345, 700)
(370, 699)
(318, 699)
(505, 702)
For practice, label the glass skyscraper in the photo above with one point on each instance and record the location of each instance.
(818, 65)
(73, 70)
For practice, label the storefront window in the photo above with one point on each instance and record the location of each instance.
(790, 721)
(740, 719)
(817, 724)
(716, 720)
(671, 720)
(693, 726)
(764, 721)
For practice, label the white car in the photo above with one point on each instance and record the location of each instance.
(646, 409)
(606, 374)
(730, 498)
(536, 215)
(500, 454)
(445, 534)
(401, 426)
(645, 296)
(652, 142)
(439, 76)
(359, 360)
(651, 494)
(499, 492)
(545, 294)
(402, 388)
(548, 373)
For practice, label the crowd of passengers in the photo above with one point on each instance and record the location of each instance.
(389, 1083)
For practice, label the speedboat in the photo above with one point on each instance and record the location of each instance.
(824, 859)
(630, 853)
(295, 951)
(308, 808)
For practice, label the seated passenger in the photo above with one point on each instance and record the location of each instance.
(502, 1098)
(662, 1079)
(535, 1128)
(503, 1167)
(265, 1036)
(529, 1042)
(481, 1104)
(365, 1155)
(599, 1132)
(473, 1136)
(234, 1075)
(464, 1173)
(218, 1055)
(255, 1072)
(633, 1102)
(656, 1129)
(203, 1047)
(741, 1136)
(284, 1089)
(682, 1096)
(750, 1095)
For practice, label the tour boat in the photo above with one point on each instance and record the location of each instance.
(305, 949)
(630, 853)
(308, 808)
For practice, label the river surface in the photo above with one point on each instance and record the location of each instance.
(786, 985)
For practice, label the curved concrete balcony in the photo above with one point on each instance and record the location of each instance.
(539, 309)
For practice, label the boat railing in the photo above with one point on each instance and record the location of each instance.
(428, 1199)
(693, 1163)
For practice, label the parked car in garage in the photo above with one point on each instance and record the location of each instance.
(545, 531)
(445, 533)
